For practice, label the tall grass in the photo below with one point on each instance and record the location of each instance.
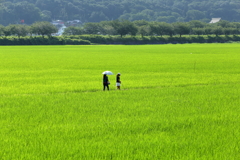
(176, 102)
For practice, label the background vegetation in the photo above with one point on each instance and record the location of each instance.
(145, 28)
(106, 10)
(122, 32)
(176, 102)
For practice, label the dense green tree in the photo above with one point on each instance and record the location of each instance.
(7, 30)
(21, 30)
(92, 28)
(170, 30)
(153, 26)
(208, 30)
(107, 28)
(43, 28)
(143, 30)
(161, 28)
(230, 31)
(167, 29)
(131, 28)
(73, 31)
(227, 31)
(223, 24)
(181, 28)
(13, 29)
(235, 31)
(124, 27)
(143, 27)
(198, 31)
(197, 24)
(236, 25)
(217, 31)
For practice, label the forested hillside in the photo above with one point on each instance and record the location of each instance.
(30, 11)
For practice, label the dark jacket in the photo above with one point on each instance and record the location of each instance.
(105, 79)
(118, 79)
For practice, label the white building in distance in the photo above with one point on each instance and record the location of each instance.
(215, 20)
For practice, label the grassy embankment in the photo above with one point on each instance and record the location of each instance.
(176, 102)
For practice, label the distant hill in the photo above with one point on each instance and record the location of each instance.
(30, 11)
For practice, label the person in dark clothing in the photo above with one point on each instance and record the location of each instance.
(118, 81)
(105, 82)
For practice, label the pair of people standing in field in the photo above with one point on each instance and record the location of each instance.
(106, 82)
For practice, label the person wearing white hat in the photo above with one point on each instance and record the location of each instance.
(118, 81)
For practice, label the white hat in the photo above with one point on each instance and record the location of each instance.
(119, 73)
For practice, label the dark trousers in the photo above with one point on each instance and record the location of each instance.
(104, 86)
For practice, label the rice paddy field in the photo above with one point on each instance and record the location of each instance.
(176, 102)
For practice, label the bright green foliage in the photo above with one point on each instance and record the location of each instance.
(176, 102)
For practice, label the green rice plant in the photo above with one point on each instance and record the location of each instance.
(175, 102)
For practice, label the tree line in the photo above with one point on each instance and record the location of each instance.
(35, 35)
(125, 27)
(37, 28)
(145, 28)
(30, 11)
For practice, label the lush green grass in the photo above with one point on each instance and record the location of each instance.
(177, 102)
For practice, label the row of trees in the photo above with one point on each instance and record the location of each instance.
(145, 28)
(13, 11)
(116, 27)
(37, 28)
